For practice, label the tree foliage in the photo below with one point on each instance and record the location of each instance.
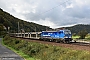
(79, 27)
(82, 34)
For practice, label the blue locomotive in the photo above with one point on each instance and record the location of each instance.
(57, 36)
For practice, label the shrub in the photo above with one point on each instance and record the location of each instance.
(82, 34)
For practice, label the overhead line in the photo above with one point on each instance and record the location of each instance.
(55, 7)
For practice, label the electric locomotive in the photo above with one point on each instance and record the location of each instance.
(64, 36)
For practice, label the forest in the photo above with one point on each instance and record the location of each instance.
(79, 27)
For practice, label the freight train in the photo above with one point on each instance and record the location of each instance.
(64, 36)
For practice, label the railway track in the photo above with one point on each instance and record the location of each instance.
(72, 45)
(80, 43)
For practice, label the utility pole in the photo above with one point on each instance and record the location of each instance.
(18, 28)
(8, 29)
(35, 29)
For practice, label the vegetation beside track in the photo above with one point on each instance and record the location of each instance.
(44, 51)
(76, 37)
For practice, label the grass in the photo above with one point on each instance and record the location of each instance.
(41, 51)
(20, 53)
(87, 38)
(1, 36)
(75, 37)
(26, 57)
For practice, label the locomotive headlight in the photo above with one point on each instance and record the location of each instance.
(70, 37)
(65, 37)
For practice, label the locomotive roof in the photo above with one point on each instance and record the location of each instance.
(56, 31)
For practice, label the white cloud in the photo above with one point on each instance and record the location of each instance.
(56, 13)
(47, 22)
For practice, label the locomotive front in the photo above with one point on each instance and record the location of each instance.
(67, 36)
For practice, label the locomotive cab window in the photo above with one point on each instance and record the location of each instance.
(60, 32)
(67, 32)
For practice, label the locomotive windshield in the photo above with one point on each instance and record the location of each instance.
(67, 32)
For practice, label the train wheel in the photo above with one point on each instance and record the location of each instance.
(44, 39)
(68, 42)
(64, 41)
(57, 41)
(50, 40)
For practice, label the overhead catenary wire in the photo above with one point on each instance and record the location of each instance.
(54, 7)
(42, 13)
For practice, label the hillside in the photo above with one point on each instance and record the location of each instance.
(79, 27)
(9, 21)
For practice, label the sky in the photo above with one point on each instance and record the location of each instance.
(52, 13)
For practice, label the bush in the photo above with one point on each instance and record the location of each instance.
(82, 34)
(6, 39)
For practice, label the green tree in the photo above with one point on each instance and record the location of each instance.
(1, 20)
(1, 29)
(82, 34)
